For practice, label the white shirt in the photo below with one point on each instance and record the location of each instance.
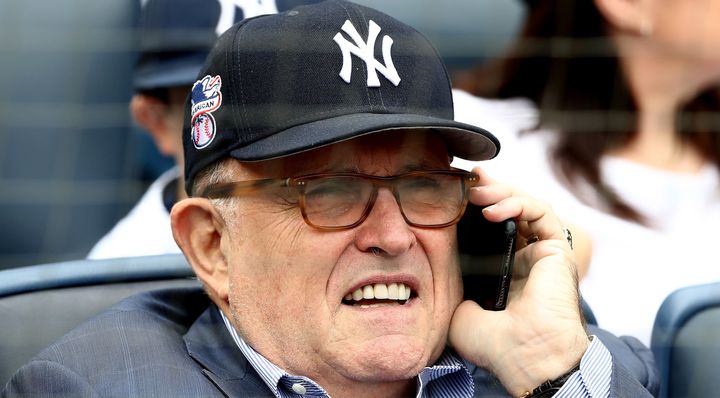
(145, 231)
(633, 267)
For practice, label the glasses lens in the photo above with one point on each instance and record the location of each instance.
(336, 201)
(431, 199)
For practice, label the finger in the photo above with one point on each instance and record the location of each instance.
(582, 247)
(524, 230)
(469, 325)
(527, 258)
(540, 218)
(490, 194)
(488, 191)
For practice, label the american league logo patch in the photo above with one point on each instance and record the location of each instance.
(205, 98)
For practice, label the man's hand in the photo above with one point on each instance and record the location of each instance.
(540, 335)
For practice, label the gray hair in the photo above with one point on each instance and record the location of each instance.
(218, 172)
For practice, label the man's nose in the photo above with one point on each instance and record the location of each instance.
(385, 228)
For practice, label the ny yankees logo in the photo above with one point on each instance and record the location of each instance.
(366, 52)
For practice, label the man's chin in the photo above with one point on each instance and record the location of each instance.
(388, 358)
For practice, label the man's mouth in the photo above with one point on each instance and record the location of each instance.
(378, 294)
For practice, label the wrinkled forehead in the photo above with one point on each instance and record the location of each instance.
(383, 153)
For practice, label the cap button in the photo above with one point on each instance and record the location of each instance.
(299, 389)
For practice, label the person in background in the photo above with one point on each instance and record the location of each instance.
(175, 38)
(322, 224)
(615, 105)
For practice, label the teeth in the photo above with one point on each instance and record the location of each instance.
(368, 292)
(381, 291)
(393, 291)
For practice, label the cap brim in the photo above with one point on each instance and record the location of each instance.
(463, 140)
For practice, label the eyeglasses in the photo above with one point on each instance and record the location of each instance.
(336, 201)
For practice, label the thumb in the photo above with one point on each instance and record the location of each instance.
(468, 334)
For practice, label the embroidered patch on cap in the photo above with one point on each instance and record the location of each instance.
(205, 98)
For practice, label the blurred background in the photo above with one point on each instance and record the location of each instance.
(72, 162)
(606, 109)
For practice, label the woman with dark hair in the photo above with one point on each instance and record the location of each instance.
(615, 105)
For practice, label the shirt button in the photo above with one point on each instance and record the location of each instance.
(299, 389)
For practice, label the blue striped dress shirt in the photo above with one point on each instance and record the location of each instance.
(448, 378)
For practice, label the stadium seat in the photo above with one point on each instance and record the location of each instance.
(686, 342)
(40, 303)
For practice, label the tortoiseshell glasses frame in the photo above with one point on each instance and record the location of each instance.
(337, 201)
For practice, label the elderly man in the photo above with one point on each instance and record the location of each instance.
(321, 222)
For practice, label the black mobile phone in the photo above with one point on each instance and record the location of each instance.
(487, 252)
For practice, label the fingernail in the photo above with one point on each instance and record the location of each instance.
(490, 209)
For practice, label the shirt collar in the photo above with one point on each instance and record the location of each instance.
(449, 377)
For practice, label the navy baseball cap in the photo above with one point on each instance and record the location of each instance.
(176, 35)
(276, 85)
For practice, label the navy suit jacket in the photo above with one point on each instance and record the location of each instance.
(173, 343)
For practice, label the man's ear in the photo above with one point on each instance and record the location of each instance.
(628, 15)
(150, 113)
(198, 229)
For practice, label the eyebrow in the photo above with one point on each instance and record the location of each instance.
(424, 164)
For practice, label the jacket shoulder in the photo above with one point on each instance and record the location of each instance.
(135, 348)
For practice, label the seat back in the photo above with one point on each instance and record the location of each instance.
(40, 303)
(686, 342)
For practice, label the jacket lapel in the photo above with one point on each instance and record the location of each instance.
(210, 344)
